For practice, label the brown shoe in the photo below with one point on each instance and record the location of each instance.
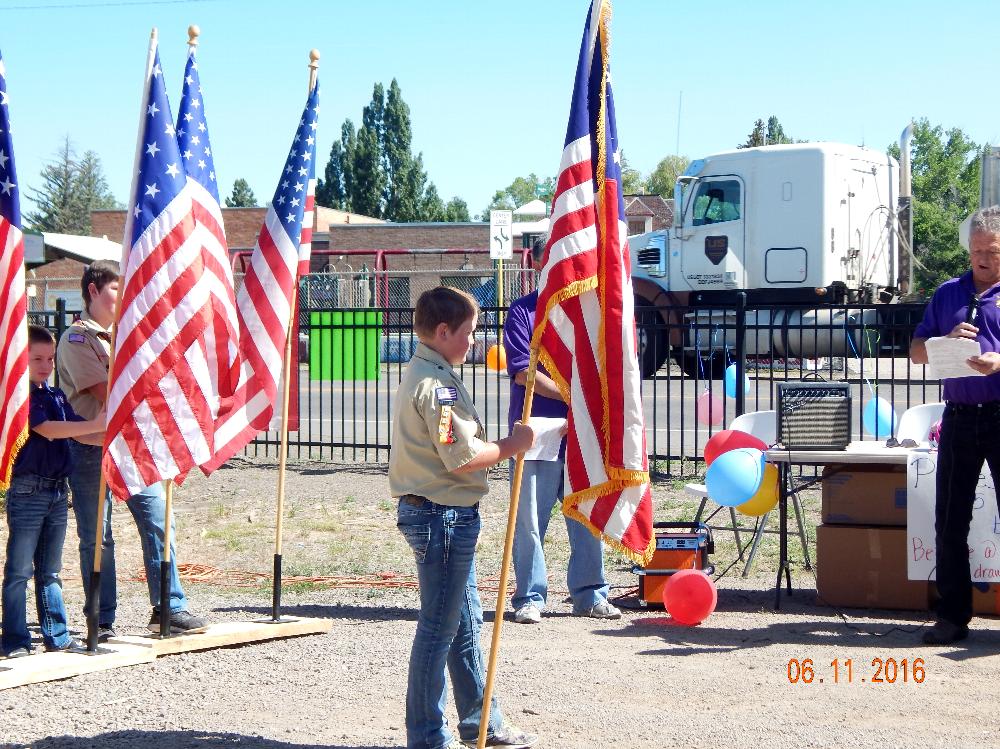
(945, 633)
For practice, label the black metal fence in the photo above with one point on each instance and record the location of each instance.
(351, 361)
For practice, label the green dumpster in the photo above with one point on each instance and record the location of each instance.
(344, 345)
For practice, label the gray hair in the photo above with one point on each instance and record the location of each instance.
(985, 221)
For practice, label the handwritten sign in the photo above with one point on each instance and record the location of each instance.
(984, 535)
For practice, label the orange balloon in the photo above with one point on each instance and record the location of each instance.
(496, 357)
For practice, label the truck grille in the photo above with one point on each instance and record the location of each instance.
(649, 256)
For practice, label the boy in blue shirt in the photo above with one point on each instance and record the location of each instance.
(36, 506)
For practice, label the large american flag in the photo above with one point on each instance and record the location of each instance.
(196, 151)
(162, 402)
(265, 300)
(13, 303)
(585, 334)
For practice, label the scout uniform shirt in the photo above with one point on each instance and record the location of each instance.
(435, 430)
(82, 358)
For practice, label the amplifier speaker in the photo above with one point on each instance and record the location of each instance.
(814, 415)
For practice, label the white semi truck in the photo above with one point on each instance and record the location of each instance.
(797, 228)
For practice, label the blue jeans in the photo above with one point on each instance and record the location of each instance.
(443, 540)
(147, 508)
(968, 439)
(541, 488)
(36, 520)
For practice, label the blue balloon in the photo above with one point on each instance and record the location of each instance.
(878, 418)
(730, 381)
(735, 476)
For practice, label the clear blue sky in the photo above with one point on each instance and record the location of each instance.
(488, 84)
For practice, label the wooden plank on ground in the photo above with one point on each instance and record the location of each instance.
(41, 666)
(225, 634)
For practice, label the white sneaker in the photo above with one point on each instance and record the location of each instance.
(602, 610)
(529, 613)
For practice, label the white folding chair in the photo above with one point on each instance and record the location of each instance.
(916, 422)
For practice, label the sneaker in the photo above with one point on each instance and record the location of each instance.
(510, 736)
(529, 613)
(105, 633)
(602, 610)
(945, 633)
(73, 645)
(18, 653)
(180, 622)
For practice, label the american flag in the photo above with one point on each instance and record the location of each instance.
(585, 334)
(13, 303)
(162, 404)
(196, 151)
(266, 296)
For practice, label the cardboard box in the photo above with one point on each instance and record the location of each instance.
(865, 495)
(865, 567)
(986, 598)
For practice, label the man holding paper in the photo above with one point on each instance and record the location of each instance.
(542, 483)
(966, 310)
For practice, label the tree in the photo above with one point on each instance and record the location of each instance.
(70, 190)
(522, 190)
(242, 196)
(457, 210)
(769, 134)
(632, 181)
(664, 176)
(945, 166)
(373, 170)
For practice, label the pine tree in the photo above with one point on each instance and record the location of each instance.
(242, 196)
(70, 190)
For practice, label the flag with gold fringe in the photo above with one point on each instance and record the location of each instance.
(585, 330)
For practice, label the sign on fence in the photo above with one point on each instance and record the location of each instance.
(984, 536)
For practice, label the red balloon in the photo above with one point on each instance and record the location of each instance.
(690, 596)
(730, 439)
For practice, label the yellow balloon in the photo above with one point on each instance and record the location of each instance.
(766, 497)
(496, 357)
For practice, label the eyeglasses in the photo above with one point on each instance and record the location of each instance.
(893, 442)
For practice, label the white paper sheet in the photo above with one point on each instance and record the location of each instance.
(548, 438)
(946, 357)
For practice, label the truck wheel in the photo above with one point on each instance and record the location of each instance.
(713, 367)
(651, 338)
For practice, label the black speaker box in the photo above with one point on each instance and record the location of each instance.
(814, 415)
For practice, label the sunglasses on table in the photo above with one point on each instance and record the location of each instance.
(893, 442)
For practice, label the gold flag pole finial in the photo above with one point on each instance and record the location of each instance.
(193, 33)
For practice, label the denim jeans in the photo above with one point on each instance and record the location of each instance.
(541, 488)
(970, 436)
(36, 520)
(147, 508)
(443, 540)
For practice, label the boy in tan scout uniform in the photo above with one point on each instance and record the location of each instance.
(83, 359)
(437, 470)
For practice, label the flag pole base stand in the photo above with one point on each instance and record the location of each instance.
(39, 667)
(226, 634)
(283, 619)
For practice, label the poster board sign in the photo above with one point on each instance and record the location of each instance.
(984, 535)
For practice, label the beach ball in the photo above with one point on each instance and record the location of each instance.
(766, 497)
(735, 476)
(496, 357)
(689, 596)
(730, 381)
(878, 418)
(709, 409)
(730, 439)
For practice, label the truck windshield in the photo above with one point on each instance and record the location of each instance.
(715, 202)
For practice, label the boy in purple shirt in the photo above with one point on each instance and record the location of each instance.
(36, 506)
(971, 420)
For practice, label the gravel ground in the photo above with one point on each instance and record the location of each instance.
(639, 682)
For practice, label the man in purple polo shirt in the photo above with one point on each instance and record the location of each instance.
(970, 427)
(542, 486)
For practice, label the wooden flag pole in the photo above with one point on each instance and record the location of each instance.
(508, 549)
(285, 390)
(165, 563)
(93, 602)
